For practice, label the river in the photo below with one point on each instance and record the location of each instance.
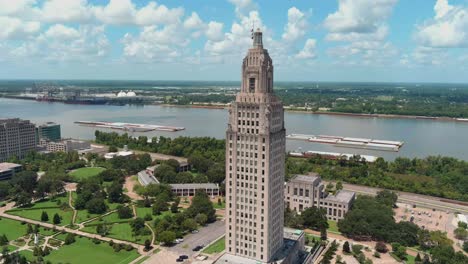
(422, 137)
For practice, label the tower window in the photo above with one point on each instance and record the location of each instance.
(251, 85)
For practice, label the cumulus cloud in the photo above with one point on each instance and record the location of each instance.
(14, 28)
(308, 52)
(62, 43)
(296, 26)
(66, 11)
(361, 24)
(448, 28)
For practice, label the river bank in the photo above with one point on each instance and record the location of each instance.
(391, 116)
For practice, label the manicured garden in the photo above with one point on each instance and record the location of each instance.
(36, 214)
(84, 173)
(333, 227)
(121, 231)
(83, 250)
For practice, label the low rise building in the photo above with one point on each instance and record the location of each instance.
(146, 177)
(66, 145)
(304, 191)
(7, 170)
(112, 155)
(189, 189)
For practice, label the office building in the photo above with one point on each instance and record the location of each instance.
(255, 160)
(304, 191)
(66, 145)
(7, 170)
(17, 138)
(48, 131)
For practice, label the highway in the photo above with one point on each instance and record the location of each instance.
(413, 199)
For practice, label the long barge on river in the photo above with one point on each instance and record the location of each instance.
(129, 126)
(350, 142)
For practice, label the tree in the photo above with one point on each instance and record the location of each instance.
(461, 233)
(381, 247)
(147, 245)
(201, 204)
(314, 218)
(346, 247)
(96, 206)
(175, 205)
(323, 233)
(165, 173)
(167, 237)
(3, 240)
(339, 185)
(44, 216)
(115, 192)
(189, 224)
(387, 197)
(56, 220)
(113, 149)
(418, 259)
(69, 239)
(102, 229)
(124, 212)
(462, 225)
(159, 206)
(465, 246)
(201, 219)
(137, 225)
(29, 229)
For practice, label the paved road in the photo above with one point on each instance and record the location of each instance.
(411, 198)
(206, 235)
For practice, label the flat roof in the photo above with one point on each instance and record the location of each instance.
(306, 178)
(342, 196)
(194, 186)
(4, 166)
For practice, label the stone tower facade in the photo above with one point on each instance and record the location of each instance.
(255, 158)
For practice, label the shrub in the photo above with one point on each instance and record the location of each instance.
(381, 247)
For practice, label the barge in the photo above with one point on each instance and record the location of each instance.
(350, 142)
(129, 126)
(331, 155)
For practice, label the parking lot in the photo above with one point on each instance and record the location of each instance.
(205, 236)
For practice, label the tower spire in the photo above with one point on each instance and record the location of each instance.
(257, 38)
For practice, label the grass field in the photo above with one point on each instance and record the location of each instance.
(47, 203)
(84, 215)
(217, 206)
(12, 229)
(84, 173)
(122, 231)
(85, 251)
(35, 214)
(333, 227)
(216, 247)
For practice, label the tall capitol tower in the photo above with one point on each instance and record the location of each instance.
(255, 158)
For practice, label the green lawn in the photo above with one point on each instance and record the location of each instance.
(12, 229)
(216, 247)
(122, 231)
(333, 227)
(217, 206)
(142, 211)
(85, 251)
(35, 214)
(84, 173)
(47, 203)
(84, 215)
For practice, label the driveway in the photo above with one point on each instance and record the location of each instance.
(205, 236)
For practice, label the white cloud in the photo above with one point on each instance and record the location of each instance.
(15, 7)
(243, 5)
(214, 31)
(359, 16)
(61, 32)
(362, 25)
(193, 22)
(308, 52)
(296, 27)
(15, 28)
(116, 12)
(155, 44)
(119, 12)
(61, 43)
(448, 28)
(158, 14)
(66, 11)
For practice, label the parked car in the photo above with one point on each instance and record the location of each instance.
(197, 248)
(179, 260)
(183, 257)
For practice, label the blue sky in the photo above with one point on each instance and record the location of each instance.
(321, 40)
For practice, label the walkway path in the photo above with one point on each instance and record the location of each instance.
(73, 231)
